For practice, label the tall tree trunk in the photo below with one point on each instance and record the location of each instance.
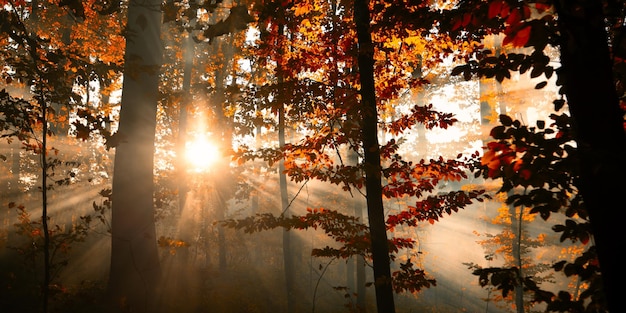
(288, 263)
(587, 77)
(44, 205)
(187, 98)
(516, 228)
(284, 200)
(373, 169)
(135, 269)
(185, 216)
(223, 45)
(357, 284)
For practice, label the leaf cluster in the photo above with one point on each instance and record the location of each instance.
(539, 159)
(543, 161)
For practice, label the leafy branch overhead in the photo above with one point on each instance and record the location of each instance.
(237, 19)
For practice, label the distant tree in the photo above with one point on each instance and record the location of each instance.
(514, 245)
(542, 161)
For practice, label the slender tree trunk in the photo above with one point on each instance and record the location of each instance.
(223, 45)
(255, 256)
(288, 265)
(185, 216)
(361, 292)
(135, 269)
(284, 200)
(188, 53)
(516, 228)
(587, 77)
(373, 169)
(358, 264)
(44, 205)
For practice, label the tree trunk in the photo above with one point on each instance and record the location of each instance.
(224, 133)
(516, 227)
(373, 170)
(288, 263)
(587, 77)
(135, 269)
(188, 54)
(284, 200)
(357, 284)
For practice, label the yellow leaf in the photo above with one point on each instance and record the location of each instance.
(302, 8)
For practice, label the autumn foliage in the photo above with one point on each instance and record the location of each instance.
(262, 67)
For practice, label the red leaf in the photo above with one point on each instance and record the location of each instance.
(527, 12)
(518, 38)
(525, 174)
(455, 26)
(494, 9)
(514, 18)
(466, 19)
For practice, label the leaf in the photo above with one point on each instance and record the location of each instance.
(238, 19)
(458, 70)
(541, 124)
(541, 85)
(302, 8)
(467, 18)
(558, 104)
(497, 132)
(536, 71)
(170, 11)
(514, 18)
(506, 120)
(518, 38)
(494, 9)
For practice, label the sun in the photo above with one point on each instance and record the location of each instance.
(201, 154)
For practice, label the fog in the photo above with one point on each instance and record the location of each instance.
(245, 274)
(206, 267)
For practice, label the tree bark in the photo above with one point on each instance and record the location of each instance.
(373, 169)
(284, 200)
(135, 269)
(288, 262)
(588, 84)
(357, 284)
